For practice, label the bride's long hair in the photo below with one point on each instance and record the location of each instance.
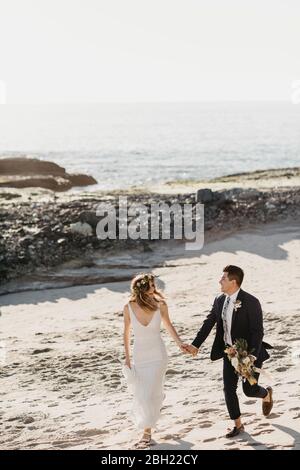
(140, 284)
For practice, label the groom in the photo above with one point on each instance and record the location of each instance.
(237, 315)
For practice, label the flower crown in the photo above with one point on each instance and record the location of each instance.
(143, 283)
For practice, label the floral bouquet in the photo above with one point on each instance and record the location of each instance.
(242, 361)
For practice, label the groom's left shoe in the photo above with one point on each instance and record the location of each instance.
(268, 405)
(235, 431)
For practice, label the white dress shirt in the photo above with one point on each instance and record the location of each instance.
(229, 313)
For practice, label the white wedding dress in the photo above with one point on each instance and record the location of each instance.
(150, 362)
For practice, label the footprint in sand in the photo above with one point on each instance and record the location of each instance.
(281, 369)
(91, 432)
(281, 348)
(170, 437)
(41, 351)
(173, 372)
(229, 444)
(184, 421)
(205, 424)
(263, 431)
(65, 444)
(210, 439)
(274, 415)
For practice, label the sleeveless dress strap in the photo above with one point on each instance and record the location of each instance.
(130, 310)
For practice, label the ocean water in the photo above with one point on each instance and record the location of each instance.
(124, 145)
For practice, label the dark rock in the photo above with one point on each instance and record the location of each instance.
(250, 194)
(26, 241)
(90, 218)
(270, 206)
(29, 166)
(32, 172)
(81, 180)
(204, 196)
(232, 194)
(9, 196)
(54, 183)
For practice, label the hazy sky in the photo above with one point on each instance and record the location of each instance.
(148, 50)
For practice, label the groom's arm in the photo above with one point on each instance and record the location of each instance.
(256, 327)
(207, 325)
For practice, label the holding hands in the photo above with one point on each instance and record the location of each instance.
(189, 349)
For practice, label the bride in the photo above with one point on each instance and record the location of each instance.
(144, 312)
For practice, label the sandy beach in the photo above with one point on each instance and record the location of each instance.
(61, 353)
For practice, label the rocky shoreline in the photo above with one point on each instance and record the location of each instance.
(39, 231)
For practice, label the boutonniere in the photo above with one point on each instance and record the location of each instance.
(237, 304)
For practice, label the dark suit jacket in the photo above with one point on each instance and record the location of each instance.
(247, 323)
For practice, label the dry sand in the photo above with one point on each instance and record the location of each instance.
(260, 179)
(61, 384)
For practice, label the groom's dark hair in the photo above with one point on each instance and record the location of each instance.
(234, 273)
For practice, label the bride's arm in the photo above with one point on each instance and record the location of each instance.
(168, 324)
(126, 335)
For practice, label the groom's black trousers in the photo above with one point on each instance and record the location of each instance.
(230, 379)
